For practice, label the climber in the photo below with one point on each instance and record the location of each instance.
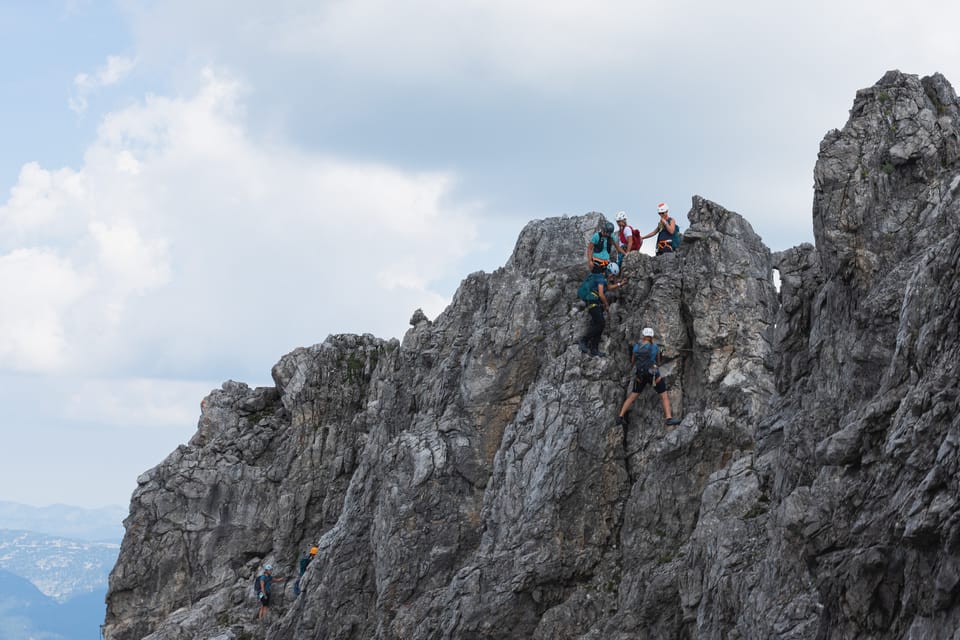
(628, 238)
(664, 231)
(646, 360)
(600, 245)
(262, 589)
(593, 290)
(304, 561)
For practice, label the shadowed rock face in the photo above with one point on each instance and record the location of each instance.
(470, 481)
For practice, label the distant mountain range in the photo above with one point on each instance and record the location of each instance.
(54, 565)
(103, 525)
(59, 567)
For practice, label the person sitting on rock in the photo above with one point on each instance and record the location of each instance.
(593, 291)
(600, 245)
(646, 362)
(263, 583)
(664, 230)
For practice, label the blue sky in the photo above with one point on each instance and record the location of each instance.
(188, 191)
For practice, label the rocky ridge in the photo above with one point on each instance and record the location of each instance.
(470, 481)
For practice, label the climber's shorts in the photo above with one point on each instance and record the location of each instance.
(645, 379)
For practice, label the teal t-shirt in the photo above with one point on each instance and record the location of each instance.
(605, 254)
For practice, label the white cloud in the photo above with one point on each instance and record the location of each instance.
(40, 289)
(137, 402)
(417, 41)
(116, 69)
(188, 237)
(629, 46)
(132, 262)
(37, 201)
(535, 42)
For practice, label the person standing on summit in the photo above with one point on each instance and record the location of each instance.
(664, 231)
(628, 239)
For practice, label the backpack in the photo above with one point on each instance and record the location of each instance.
(637, 238)
(587, 290)
(675, 241)
(601, 245)
(256, 585)
(646, 358)
(676, 237)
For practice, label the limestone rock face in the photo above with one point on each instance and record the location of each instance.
(470, 480)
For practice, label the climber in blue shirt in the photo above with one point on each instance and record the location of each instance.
(600, 245)
(262, 586)
(646, 361)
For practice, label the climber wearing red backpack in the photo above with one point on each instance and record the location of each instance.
(628, 238)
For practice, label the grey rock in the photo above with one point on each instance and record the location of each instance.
(470, 481)
(418, 317)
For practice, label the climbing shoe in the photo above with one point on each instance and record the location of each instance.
(583, 346)
(621, 421)
(596, 353)
(672, 421)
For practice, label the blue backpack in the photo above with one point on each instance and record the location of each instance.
(587, 291)
(645, 358)
(675, 238)
(256, 584)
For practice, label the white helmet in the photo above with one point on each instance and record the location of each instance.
(613, 269)
(648, 332)
(622, 215)
(662, 207)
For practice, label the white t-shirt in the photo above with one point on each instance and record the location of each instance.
(627, 232)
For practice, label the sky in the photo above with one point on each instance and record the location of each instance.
(191, 190)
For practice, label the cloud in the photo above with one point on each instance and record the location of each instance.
(37, 201)
(183, 240)
(555, 46)
(40, 289)
(136, 402)
(531, 42)
(115, 70)
(418, 41)
(132, 262)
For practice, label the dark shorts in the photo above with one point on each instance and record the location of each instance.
(265, 601)
(645, 379)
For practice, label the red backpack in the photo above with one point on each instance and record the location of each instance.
(637, 239)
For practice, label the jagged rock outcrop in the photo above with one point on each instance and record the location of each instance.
(470, 481)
